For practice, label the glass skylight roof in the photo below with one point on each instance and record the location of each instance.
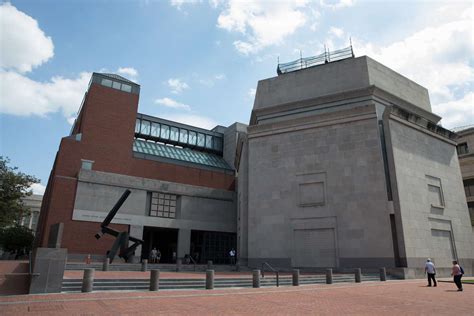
(183, 154)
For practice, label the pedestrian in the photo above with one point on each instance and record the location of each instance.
(153, 255)
(430, 271)
(457, 275)
(232, 256)
(158, 256)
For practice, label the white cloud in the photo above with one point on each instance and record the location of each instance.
(337, 32)
(438, 57)
(170, 103)
(262, 23)
(193, 120)
(179, 3)
(23, 44)
(457, 112)
(131, 72)
(251, 93)
(20, 95)
(336, 4)
(176, 85)
(219, 77)
(38, 188)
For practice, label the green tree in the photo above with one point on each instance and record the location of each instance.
(13, 186)
(16, 239)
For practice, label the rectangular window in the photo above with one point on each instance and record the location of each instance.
(163, 205)
(116, 85)
(201, 140)
(155, 129)
(218, 143)
(145, 128)
(126, 87)
(107, 83)
(137, 126)
(462, 149)
(174, 134)
(183, 136)
(192, 138)
(165, 131)
(209, 141)
(469, 187)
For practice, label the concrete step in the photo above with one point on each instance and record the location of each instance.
(74, 285)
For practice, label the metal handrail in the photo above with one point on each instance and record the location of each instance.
(194, 262)
(273, 270)
(30, 263)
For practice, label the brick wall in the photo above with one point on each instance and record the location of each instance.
(107, 123)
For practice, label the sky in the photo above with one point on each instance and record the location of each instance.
(198, 62)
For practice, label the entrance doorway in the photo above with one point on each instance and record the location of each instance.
(164, 239)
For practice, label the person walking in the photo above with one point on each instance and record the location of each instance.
(430, 271)
(232, 256)
(153, 255)
(457, 275)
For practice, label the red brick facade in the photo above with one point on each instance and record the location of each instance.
(107, 123)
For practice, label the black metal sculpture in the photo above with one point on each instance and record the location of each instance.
(121, 238)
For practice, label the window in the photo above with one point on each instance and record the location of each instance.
(126, 87)
(145, 128)
(200, 140)
(165, 131)
(116, 85)
(174, 134)
(107, 83)
(462, 149)
(155, 129)
(192, 138)
(163, 205)
(86, 164)
(208, 141)
(137, 126)
(183, 136)
(218, 143)
(469, 187)
(470, 206)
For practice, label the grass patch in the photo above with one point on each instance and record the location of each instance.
(468, 281)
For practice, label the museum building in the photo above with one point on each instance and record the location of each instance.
(342, 165)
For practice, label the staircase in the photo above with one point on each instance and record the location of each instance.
(160, 266)
(74, 285)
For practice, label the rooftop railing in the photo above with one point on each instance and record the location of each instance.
(308, 62)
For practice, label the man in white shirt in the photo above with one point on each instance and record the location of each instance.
(430, 271)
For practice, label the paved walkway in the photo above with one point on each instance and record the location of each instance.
(389, 298)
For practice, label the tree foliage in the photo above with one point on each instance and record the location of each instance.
(13, 186)
(16, 239)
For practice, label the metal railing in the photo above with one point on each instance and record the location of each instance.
(307, 62)
(193, 261)
(277, 273)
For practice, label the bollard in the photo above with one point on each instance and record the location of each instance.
(329, 276)
(209, 265)
(296, 277)
(144, 265)
(209, 279)
(105, 265)
(256, 278)
(154, 279)
(383, 274)
(178, 265)
(358, 274)
(87, 280)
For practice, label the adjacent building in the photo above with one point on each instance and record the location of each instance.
(465, 150)
(33, 205)
(342, 165)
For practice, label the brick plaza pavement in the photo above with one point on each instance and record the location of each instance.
(410, 297)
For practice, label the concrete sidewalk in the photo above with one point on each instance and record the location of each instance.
(389, 298)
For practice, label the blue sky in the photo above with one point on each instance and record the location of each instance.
(198, 62)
